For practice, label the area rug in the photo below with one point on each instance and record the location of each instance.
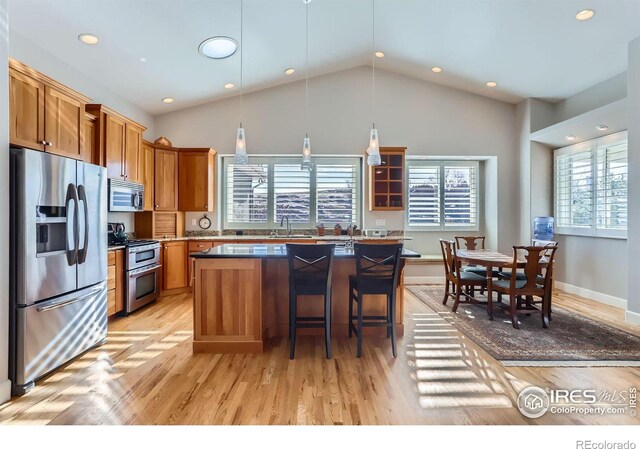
(571, 340)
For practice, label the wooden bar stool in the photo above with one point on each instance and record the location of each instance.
(310, 268)
(377, 273)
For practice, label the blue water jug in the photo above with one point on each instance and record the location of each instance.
(543, 228)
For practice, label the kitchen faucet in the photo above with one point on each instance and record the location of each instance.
(286, 217)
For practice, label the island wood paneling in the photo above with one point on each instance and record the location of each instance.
(228, 306)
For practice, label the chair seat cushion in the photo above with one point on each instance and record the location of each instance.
(505, 284)
(520, 277)
(479, 270)
(468, 276)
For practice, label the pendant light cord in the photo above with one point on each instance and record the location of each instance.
(241, 60)
(373, 62)
(306, 74)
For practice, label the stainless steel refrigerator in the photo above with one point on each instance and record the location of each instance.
(58, 260)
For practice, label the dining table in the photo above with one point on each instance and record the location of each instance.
(489, 259)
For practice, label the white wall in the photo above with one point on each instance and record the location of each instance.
(24, 50)
(427, 118)
(633, 243)
(5, 384)
(606, 92)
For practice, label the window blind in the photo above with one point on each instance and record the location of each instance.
(574, 189)
(442, 194)
(611, 180)
(424, 195)
(292, 193)
(591, 187)
(460, 196)
(246, 193)
(337, 193)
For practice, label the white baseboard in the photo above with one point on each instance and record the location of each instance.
(413, 280)
(593, 295)
(5, 391)
(632, 317)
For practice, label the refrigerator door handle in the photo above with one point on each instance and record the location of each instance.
(82, 252)
(69, 301)
(72, 196)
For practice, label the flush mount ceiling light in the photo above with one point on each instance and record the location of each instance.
(218, 47)
(602, 127)
(229, 86)
(289, 71)
(167, 100)
(436, 69)
(585, 14)
(88, 39)
(492, 84)
(379, 54)
(571, 137)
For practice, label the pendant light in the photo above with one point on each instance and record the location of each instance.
(241, 157)
(373, 151)
(306, 143)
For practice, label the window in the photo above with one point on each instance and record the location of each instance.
(442, 195)
(261, 193)
(591, 187)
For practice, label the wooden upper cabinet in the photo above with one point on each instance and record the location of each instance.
(26, 110)
(166, 179)
(196, 179)
(147, 168)
(89, 138)
(386, 181)
(118, 143)
(64, 124)
(133, 147)
(44, 114)
(114, 142)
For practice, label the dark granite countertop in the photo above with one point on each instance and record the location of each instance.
(268, 251)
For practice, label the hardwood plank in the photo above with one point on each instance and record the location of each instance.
(148, 374)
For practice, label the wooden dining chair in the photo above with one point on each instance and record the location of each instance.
(474, 242)
(534, 281)
(457, 280)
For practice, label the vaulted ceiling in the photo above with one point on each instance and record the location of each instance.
(531, 48)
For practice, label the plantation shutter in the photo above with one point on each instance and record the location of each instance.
(424, 195)
(291, 193)
(460, 195)
(611, 181)
(337, 192)
(574, 189)
(246, 193)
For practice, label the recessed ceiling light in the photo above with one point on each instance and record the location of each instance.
(167, 100)
(289, 71)
(585, 14)
(143, 59)
(379, 54)
(492, 84)
(602, 127)
(229, 86)
(88, 39)
(571, 137)
(218, 47)
(436, 69)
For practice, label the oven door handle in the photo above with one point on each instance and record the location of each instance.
(145, 270)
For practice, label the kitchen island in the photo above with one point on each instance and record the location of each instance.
(241, 297)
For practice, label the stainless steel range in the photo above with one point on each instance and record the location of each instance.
(142, 273)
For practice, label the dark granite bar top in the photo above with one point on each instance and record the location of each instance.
(269, 251)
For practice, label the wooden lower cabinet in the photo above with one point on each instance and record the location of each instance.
(115, 281)
(174, 265)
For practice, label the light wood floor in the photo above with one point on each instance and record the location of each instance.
(146, 374)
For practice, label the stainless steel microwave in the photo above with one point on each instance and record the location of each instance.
(125, 196)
